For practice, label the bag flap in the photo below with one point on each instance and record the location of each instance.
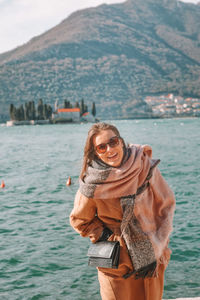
(102, 249)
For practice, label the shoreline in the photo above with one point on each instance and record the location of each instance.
(154, 118)
(38, 122)
(11, 123)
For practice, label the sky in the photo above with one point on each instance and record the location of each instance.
(21, 20)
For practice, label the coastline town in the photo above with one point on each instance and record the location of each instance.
(162, 106)
(169, 106)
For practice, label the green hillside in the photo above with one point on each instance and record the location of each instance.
(112, 54)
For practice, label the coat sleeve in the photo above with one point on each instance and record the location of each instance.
(164, 196)
(83, 218)
(163, 209)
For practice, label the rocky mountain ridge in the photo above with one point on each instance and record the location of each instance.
(114, 55)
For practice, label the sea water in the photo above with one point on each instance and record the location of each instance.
(41, 256)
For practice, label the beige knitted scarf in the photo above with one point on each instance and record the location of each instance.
(147, 203)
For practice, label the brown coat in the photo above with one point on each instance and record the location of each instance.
(84, 220)
(154, 210)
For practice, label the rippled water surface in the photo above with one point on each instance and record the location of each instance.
(41, 256)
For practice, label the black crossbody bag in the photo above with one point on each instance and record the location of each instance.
(104, 254)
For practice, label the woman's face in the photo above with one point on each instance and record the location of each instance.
(114, 153)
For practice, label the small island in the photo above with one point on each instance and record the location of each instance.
(43, 113)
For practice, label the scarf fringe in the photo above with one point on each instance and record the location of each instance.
(145, 272)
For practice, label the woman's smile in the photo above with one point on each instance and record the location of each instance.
(112, 154)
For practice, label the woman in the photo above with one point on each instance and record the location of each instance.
(123, 197)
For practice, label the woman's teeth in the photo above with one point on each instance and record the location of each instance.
(113, 156)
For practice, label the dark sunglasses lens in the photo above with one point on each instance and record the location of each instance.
(114, 142)
(101, 148)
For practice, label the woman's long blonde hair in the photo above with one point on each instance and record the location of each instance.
(89, 151)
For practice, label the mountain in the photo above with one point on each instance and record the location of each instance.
(112, 54)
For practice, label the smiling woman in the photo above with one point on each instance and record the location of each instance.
(102, 144)
(123, 198)
(109, 148)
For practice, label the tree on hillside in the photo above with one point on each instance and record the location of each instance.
(85, 108)
(18, 114)
(26, 112)
(40, 108)
(21, 113)
(77, 104)
(44, 111)
(67, 104)
(14, 113)
(49, 111)
(32, 110)
(82, 107)
(11, 111)
(93, 109)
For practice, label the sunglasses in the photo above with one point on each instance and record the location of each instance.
(113, 142)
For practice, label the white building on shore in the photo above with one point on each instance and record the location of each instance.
(66, 115)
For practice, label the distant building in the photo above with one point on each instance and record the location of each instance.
(172, 106)
(87, 117)
(63, 115)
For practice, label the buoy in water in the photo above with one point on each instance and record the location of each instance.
(68, 182)
(2, 184)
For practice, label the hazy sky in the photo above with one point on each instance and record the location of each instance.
(20, 20)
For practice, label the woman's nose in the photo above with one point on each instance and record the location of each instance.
(109, 149)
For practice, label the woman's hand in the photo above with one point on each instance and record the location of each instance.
(106, 233)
